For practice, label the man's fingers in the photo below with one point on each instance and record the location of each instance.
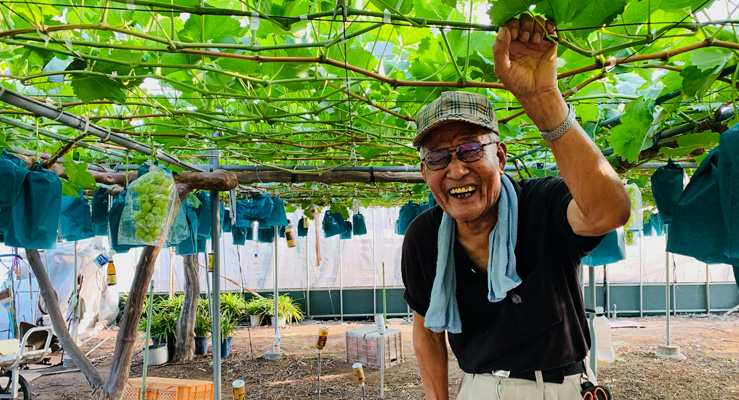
(527, 28)
(539, 27)
(551, 27)
(513, 25)
(501, 59)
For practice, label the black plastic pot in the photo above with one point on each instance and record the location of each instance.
(201, 345)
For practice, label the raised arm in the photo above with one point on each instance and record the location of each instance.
(526, 63)
(431, 355)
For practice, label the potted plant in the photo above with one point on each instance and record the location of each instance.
(203, 323)
(227, 327)
(289, 311)
(164, 315)
(255, 308)
(234, 304)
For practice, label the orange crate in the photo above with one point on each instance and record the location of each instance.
(168, 389)
(363, 346)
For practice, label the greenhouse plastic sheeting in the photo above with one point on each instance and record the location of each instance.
(698, 229)
(75, 222)
(667, 185)
(35, 218)
(611, 249)
(728, 166)
(100, 301)
(14, 172)
(100, 212)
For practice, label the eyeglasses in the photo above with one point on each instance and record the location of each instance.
(467, 152)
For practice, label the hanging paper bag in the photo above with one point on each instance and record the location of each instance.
(358, 225)
(36, 210)
(698, 229)
(667, 186)
(14, 172)
(611, 249)
(303, 227)
(100, 212)
(189, 245)
(728, 165)
(75, 222)
(331, 226)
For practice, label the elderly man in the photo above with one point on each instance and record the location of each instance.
(496, 266)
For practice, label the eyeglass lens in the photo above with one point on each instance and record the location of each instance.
(467, 152)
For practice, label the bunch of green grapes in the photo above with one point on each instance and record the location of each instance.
(154, 193)
(634, 195)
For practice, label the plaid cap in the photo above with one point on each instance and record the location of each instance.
(455, 106)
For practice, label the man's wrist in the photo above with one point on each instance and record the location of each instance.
(546, 111)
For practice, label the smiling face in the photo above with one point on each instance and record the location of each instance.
(468, 192)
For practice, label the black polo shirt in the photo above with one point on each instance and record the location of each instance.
(541, 324)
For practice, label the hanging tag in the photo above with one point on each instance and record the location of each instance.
(254, 21)
(101, 260)
(130, 5)
(386, 18)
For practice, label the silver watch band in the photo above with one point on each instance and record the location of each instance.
(562, 128)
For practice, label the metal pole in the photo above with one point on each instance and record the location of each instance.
(374, 265)
(276, 352)
(606, 293)
(146, 340)
(75, 314)
(215, 241)
(341, 281)
(319, 373)
(307, 275)
(41, 109)
(667, 295)
(591, 317)
(641, 281)
(207, 283)
(708, 291)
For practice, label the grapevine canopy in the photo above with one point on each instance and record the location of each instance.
(325, 84)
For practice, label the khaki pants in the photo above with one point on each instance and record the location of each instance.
(491, 387)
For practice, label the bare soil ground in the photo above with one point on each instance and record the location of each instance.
(710, 372)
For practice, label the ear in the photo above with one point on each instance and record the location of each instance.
(502, 153)
(424, 171)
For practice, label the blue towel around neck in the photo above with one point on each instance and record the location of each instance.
(443, 313)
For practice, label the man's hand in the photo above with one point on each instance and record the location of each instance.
(525, 62)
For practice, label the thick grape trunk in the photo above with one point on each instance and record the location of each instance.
(185, 331)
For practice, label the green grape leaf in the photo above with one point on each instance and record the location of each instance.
(709, 59)
(587, 112)
(69, 189)
(368, 152)
(77, 174)
(340, 208)
(628, 138)
(503, 10)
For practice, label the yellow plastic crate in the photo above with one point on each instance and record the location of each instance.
(168, 389)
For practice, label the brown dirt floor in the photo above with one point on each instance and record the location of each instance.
(711, 370)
